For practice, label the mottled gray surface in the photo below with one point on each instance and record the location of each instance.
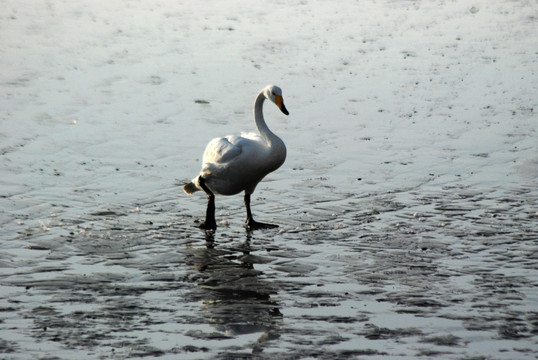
(408, 204)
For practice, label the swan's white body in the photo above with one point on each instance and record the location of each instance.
(236, 163)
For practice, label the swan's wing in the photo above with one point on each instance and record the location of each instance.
(226, 149)
(251, 136)
(221, 150)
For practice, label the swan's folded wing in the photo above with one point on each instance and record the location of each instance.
(249, 136)
(220, 150)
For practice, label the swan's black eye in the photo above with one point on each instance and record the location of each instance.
(272, 92)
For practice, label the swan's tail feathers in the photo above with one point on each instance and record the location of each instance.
(190, 188)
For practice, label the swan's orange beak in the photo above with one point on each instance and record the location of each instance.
(279, 101)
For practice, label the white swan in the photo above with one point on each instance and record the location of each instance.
(236, 163)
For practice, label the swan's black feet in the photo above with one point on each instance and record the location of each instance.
(250, 224)
(208, 225)
(254, 225)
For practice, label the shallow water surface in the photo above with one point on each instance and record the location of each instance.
(407, 206)
(444, 275)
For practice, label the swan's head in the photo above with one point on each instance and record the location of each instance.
(274, 93)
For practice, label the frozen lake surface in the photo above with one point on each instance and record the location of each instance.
(408, 203)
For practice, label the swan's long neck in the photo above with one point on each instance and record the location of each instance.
(275, 145)
(267, 134)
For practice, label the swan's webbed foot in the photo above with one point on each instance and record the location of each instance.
(208, 225)
(250, 224)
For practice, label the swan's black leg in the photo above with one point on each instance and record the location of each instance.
(250, 223)
(209, 223)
